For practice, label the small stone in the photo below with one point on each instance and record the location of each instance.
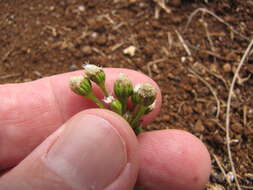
(86, 50)
(73, 67)
(81, 8)
(37, 74)
(166, 117)
(237, 128)
(210, 125)
(199, 126)
(183, 59)
(51, 8)
(130, 51)
(227, 68)
(94, 35)
(193, 80)
(213, 68)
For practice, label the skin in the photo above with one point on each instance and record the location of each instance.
(33, 116)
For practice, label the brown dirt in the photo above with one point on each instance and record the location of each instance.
(42, 38)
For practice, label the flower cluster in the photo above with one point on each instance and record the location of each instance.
(129, 101)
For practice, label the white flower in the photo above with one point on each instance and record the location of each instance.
(92, 70)
(144, 94)
(75, 82)
(108, 100)
(80, 85)
(137, 87)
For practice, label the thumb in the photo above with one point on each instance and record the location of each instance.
(94, 150)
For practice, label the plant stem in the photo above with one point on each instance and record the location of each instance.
(124, 102)
(138, 112)
(92, 97)
(104, 89)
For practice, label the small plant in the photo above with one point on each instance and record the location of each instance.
(131, 102)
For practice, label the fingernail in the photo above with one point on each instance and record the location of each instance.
(89, 154)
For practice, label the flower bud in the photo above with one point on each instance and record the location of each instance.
(95, 73)
(114, 104)
(81, 85)
(144, 94)
(123, 87)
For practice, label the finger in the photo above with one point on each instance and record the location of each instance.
(29, 112)
(173, 159)
(96, 149)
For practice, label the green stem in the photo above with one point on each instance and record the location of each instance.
(92, 97)
(124, 102)
(104, 89)
(138, 112)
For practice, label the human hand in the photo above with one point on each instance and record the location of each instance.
(95, 149)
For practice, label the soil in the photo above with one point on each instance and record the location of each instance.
(43, 38)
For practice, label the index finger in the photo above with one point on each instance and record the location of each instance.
(31, 111)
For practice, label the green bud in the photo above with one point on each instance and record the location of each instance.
(81, 85)
(123, 87)
(114, 104)
(144, 94)
(95, 73)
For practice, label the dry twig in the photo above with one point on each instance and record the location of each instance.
(183, 43)
(228, 111)
(209, 53)
(53, 30)
(98, 51)
(161, 4)
(221, 168)
(209, 37)
(247, 187)
(210, 88)
(157, 12)
(152, 63)
(245, 110)
(170, 40)
(116, 46)
(9, 76)
(217, 122)
(215, 16)
(216, 75)
(107, 16)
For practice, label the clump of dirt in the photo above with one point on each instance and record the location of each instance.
(193, 58)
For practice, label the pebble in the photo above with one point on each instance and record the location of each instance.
(227, 68)
(210, 125)
(237, 127)
(130, 51)
(213, 68)
(73, 67)
(199, 127)
(86, 50)
(81, 8)
(166, 118)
